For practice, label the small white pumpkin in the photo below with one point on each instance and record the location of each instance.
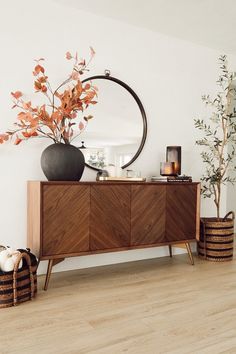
(3, 257)
(8, 265)
(8, 259)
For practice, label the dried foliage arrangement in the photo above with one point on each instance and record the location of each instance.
(61, 118)
(219, 136)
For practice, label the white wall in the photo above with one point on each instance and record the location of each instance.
(168, 74)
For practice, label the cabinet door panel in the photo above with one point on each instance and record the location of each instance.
(181, 212)
(148, 204)
(65, 219)
(110, 217)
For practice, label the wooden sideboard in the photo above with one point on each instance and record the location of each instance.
(67, 219)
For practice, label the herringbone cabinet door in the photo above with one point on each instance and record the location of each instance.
(65, 219)
(181, 212)
(110, 217)
(148, 204)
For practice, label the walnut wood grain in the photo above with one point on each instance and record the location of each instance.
(148, 214)
(198, 197)
(181, 211)
(118, 249)
(110, 216)
(65, 219)
(34, 217)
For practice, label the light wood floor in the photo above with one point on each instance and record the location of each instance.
(152, 307)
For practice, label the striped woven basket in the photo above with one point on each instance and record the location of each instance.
(217, 238)
(19, 285)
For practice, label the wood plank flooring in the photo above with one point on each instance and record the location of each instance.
(149, 307)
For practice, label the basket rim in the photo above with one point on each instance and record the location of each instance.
(215, 219)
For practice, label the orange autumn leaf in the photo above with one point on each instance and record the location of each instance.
(89, 96)
(42, 79)
(78, 88)
(57, 116)
(34, 133)
(17, 94)
(75, 75)
(17, 141)
(26, 134)
(3, 138)
(37, 85)
(38, 68)
(44, 88)
(29, 134)
(25, 116)
(68, 55)
(21, 115)
(81, 125)
(26, 105)
(87, 87)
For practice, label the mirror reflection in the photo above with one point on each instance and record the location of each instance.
(114, 134)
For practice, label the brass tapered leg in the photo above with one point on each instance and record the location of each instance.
(51, 263)
(187, 245)
(170, 250)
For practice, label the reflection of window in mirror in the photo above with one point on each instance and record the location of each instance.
(124, 159)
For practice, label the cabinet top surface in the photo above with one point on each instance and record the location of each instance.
(110, 183)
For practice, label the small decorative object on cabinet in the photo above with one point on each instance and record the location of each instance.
(167, 169)
(20, 284)
(67, 219)
(173, 154)
(218, 139)
(60, 119)
(101, 174)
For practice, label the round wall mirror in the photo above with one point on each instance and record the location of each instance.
(117, 133)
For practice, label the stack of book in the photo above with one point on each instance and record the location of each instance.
(179, 178)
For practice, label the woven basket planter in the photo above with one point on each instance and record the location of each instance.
(19, 285)
(217, 238)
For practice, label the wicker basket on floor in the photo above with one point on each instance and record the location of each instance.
(19, 285)
(217, 238)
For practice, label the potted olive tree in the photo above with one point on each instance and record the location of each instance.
(218, 138)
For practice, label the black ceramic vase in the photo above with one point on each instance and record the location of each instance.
(62, 162)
